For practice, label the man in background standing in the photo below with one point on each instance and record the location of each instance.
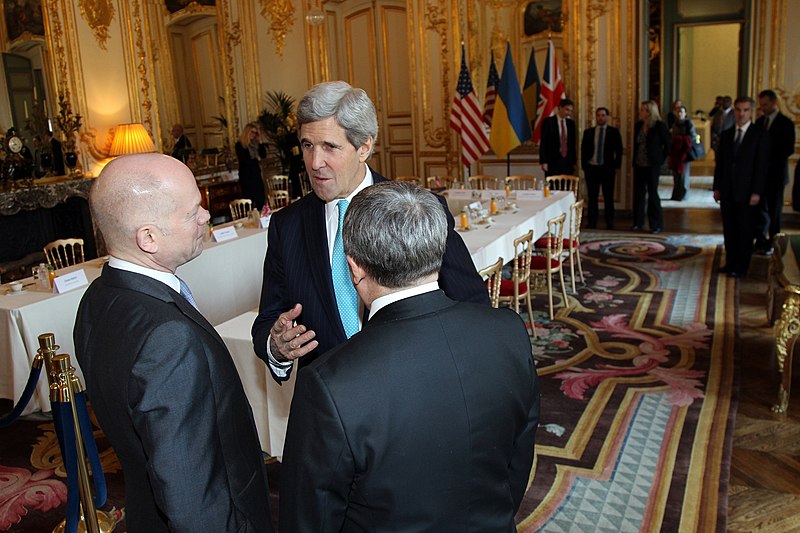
(407, 426)
(781, 133)
(558, 152)
(183, 146)
(723, 120)
(601, 157)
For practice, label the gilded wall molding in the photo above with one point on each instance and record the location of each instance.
(280, 15)
(98, 14)
(56, 33)
(142, 66)
(435, 18)
(594, 10)
(791, 102)
(230, 36)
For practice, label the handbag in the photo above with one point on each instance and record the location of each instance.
(697, 150)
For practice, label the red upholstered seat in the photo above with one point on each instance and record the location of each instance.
(542, 243)
(507, 287)
(539, 262)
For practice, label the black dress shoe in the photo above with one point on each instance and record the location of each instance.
(635, 227)
(655, 231)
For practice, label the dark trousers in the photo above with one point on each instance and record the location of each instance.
(559, 166)
(767, 218)
(680, 183)
(600, 177)
(645, 193)
(737, 231)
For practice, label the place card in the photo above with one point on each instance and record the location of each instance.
(264, 221)
(475, 205)
(530, 195)
(488, 194)
(67, 282)
(224, 234)
(460, 194)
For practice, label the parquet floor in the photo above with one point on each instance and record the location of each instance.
(764, 493)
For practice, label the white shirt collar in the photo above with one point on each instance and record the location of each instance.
(167, 278)
(332, 210)
(382, 301)
(743, 128)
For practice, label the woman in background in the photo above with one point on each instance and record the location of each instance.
(250, 151)
(651, 145)
(683, 135)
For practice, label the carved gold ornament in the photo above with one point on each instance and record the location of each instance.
(280, 15)
(98, 14)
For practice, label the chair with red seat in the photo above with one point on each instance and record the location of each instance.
(493, 274)
(516, 289)
(549, 258)
(572, 244)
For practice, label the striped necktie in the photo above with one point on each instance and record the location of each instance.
(346, 295)
(186, 293)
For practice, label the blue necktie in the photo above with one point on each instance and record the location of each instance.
(738, 140)
(600, 139)
(186, 293)
(346, 295)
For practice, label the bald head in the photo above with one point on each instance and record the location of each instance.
(136, 194)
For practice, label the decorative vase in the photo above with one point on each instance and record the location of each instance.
(71, 161)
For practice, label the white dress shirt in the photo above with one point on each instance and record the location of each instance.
(167, 278)
(383, 301)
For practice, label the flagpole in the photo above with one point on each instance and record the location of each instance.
(508, 164)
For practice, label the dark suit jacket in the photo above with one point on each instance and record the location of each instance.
(182, 147)
(550, 148)
(739, 175)
(297, 268)
(781, 146)
(658, 140)
(169, 398)
(612, 147)
(424, 421)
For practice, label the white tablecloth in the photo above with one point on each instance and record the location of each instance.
(225, 281)
(270, 401)
(487, 242)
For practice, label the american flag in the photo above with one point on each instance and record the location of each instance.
(465, 117)
(552, 91)
(491, 92)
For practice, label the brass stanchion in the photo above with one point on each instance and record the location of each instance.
(64, 385)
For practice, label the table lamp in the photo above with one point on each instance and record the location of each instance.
(131, 139)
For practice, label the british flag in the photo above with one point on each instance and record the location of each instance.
(552, 91)
(491, 92)
(465, 117)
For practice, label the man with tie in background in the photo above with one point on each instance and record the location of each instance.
(601, 157)
(558, 153)
(739, 181)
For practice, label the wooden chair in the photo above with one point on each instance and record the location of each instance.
(565, 183)
(493, 275)
(240, 208)
(64, 252)
(521, 182)
(482, 181)
(411, 179)
(445, 182)
(513, 290)
(572, 244)
(551, 260)
(278, 199)
(279, 183)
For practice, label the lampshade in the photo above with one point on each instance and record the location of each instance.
(131, 139)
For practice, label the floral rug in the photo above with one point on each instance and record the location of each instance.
(639, 385)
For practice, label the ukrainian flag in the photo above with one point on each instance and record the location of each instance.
(510, 126)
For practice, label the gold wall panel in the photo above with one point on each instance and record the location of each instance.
(98, 14)
(362, 65)
(397, 90)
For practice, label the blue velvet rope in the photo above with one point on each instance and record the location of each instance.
(90, 444)
(11, 417)
(65, 431)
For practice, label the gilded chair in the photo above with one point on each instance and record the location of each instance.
(572, 244)
(565, 183)
(278, 199)
(517, 289)
(521, 182)
(410, 179)
(493, 274)
(482, 181)
(439, 182)
(550, 260)
(279, 183)
(240, 208)
(64, 252)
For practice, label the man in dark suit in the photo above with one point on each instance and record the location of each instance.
(183, 146)
(407, 425)
(558, 152)
(724, 120)
(301, 309)
(739, 182)
(780, 130)
(601, 157)
(160, 379)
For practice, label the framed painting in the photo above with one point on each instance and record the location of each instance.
(174, 6)
(541, 16)
(23, 16)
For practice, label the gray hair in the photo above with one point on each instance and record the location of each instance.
(396, 232)
(350, 107)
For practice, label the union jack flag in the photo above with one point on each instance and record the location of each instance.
(465, 117)
(491, 92)
(552, 91)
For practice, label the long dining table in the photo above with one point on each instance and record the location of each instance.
(225, 281)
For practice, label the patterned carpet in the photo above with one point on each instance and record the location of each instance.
(639, 389)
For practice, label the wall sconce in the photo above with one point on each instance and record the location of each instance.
(131, 139)
(315, 16)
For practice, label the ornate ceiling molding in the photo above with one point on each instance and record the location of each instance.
(280, 15)
(98, 14)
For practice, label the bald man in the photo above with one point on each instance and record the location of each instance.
(159, 378)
